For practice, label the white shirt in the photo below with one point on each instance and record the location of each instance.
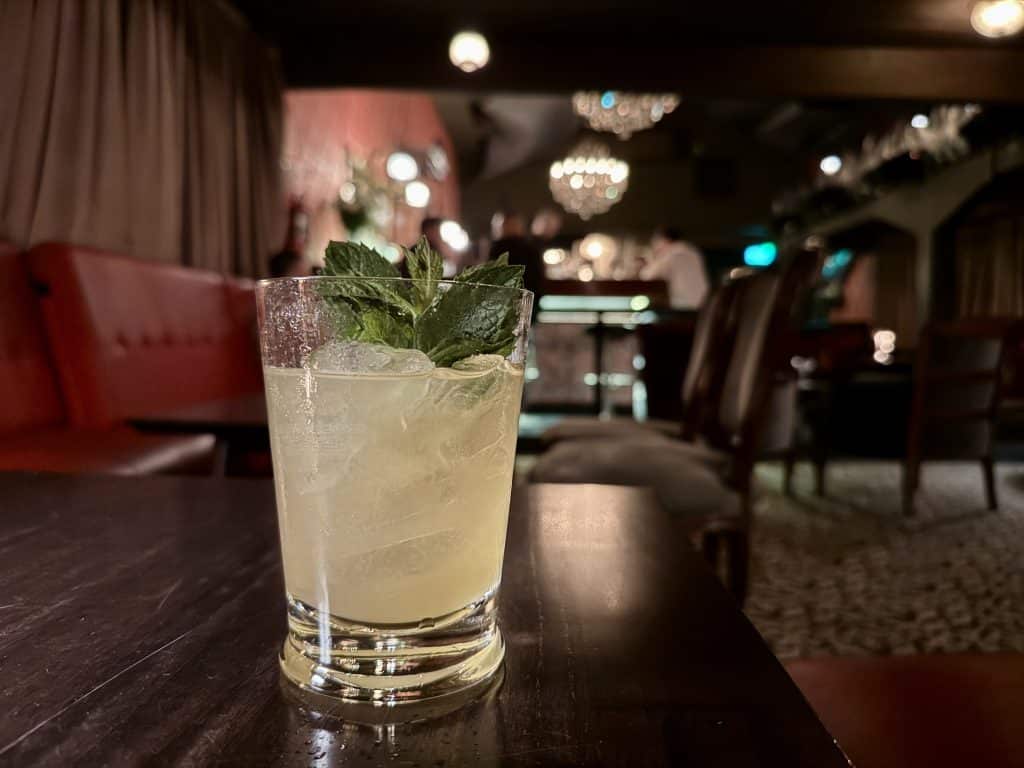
(681, 265)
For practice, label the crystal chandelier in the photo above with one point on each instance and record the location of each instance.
(589, 181)
(623, 113)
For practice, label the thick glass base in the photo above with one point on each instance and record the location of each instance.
(390, 664)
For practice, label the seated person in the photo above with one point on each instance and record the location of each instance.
(681, 265)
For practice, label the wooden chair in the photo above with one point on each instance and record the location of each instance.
(956, 394)
(837, 352)
(709, 487)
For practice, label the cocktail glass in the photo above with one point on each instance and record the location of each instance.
(393, 479)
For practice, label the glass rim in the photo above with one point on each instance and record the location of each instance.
(266, 282)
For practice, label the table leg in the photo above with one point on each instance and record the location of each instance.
(220, 458)
(599, 366)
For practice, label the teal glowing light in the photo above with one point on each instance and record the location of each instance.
(608, 99)
(836, 263)
(760, 254)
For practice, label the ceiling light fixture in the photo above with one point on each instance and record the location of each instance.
(401, 166)
(920, 120)
(831, 165)
(589, 181)
(623, 113)
(469, 51)
(998, 18)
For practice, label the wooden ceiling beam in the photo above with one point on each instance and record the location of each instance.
(801, 72)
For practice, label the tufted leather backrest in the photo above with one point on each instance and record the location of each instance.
(755, 312)
(131, 337)
(29, 396)
(703, 332)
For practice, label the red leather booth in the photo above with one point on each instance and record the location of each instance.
(130, 337)
(89, 339)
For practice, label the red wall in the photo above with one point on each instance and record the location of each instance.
(323, 126)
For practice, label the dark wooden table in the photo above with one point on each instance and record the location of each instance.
(238, 418)
(140, 621)
(238, 423)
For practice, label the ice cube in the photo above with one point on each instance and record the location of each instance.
(479, 364)
(360, 357)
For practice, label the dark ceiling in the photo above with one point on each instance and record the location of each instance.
(768, 87)
(911, 49)
(494, 133)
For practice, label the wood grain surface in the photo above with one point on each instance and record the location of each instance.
(140, 621)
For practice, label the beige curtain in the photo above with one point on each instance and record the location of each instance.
(150, 127)
(990, 267)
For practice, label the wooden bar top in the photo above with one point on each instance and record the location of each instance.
(140, 621)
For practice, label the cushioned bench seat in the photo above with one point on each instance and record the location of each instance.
(36, 433)
(119, 451)
(587, 427)
(685, 477)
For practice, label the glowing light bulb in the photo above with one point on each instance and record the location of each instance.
(401, 166)
(453, 234)
(469, 51)
(920, 120)
(998, 18)
(831, 165)
(417, 194)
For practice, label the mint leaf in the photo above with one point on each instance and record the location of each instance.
(469, 319)
(426, 267)
(354, 260)
(476, 314)
(497, 272)
(380, 327)
(348, 259)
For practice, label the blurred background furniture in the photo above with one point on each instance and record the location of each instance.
(584, 343)
(89, 337)
(707, 488)
(956, 394)
(707, 484)
(827, 359)
(36, 428)
(130, 335)
(707, 349)
(943, 406)
(238, 423)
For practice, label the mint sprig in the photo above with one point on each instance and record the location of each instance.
(469, 316)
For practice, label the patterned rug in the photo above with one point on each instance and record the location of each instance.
(849, 575)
